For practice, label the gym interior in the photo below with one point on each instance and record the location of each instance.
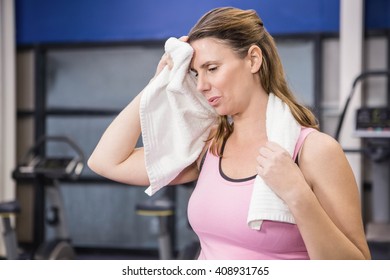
(67, 68)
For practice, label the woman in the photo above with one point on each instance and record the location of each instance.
(237, 65)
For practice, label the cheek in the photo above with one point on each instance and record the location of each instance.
(227, 81)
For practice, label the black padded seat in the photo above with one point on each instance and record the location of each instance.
(163, 209)
(156, 207)
(9, 207)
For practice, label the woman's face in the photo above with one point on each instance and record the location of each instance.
(223, 77)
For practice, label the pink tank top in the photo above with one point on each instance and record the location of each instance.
(217, 212)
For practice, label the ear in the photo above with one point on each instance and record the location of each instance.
(255, 55)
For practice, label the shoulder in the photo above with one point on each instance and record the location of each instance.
(321, 155)
(320, 144)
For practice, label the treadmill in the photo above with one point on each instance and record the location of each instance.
(45, 172)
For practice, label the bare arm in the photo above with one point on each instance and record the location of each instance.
(115, 156)
(322, 195)
(333, 228)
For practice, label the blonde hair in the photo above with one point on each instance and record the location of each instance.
(241, 29)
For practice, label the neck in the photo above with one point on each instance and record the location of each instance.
(251, 122)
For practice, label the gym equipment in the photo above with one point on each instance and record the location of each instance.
(48, 171)
(161, 206)
(373, 127)
(7, 210)
(164, 209)
(54, 167)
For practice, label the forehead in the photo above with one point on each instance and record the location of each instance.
(209, 50)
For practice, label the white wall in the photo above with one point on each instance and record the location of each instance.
(7, 102)
(351, 65)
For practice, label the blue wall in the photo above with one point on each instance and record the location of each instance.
(48, 21)
(377, 14)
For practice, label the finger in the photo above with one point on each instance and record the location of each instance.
(265, 152)
(259, 170)
(262, 162)
(165, 60)
(277, 150)
(169, 62)
(184, 38)
(162, 61)
(273, 146)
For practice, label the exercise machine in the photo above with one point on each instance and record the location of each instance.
(7, 211)
(373, 127)
(161, 206)
(46, 172)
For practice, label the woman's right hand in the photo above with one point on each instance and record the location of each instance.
(166, 59)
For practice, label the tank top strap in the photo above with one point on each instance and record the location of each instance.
(302, 136)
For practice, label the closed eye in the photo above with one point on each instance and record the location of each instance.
(212, 69)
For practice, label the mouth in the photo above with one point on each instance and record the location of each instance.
(213, 101)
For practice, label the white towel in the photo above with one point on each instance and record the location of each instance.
(175, 118)
(283, 129)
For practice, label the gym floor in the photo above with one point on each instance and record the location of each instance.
(379, 251)
(115, 255)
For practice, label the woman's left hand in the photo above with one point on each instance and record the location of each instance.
(279, 171)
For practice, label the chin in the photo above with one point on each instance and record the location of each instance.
(222, 112)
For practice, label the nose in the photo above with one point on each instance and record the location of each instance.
(203, 85)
